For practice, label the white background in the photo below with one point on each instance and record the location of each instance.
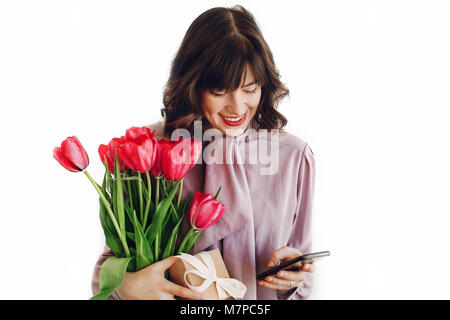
(369, 91)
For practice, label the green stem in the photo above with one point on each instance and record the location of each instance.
(111, 214)
(130, 195)
(147, 205)
(192, 240)
(157, 192)
(157, 246)
(174, 211)
(179, 194)
(172, 207)
(141, 203)
(149, 185)
(186, 238)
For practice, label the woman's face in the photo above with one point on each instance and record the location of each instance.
(231, 112)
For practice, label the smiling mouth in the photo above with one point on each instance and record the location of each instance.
(234, 121)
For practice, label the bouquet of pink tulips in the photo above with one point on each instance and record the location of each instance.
(141, 209)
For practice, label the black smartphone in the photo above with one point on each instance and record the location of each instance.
(310, 257)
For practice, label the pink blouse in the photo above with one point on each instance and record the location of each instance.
(268, 204)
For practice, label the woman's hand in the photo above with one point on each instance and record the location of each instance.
(149, 284)
(286, 279)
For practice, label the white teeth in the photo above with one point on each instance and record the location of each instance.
(233, 119)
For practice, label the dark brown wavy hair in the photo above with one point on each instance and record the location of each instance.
(213, 55)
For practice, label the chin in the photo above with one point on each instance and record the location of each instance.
(232, 132)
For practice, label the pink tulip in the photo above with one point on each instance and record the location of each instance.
(205, 211)
(109, 151)
(71, 155)
(156, 168)
(140, 148)
(176, 158)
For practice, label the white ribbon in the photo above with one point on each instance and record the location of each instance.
(207, 271)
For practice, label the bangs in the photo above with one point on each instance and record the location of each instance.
(224, 70)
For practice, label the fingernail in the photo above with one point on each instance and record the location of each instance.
(280, 274)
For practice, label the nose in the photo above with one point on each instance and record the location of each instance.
(237, 105)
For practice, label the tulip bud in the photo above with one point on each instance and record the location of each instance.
(205, 211)
(71, 155)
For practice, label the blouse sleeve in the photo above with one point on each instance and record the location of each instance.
(300, 235)
(96, 275)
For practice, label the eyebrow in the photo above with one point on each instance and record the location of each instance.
(248, 84)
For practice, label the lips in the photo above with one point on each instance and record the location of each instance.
(234, 123)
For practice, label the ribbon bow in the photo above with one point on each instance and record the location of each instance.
(207, 271)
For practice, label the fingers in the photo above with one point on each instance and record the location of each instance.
(166, 296)
(308, 267)
(288, 280)
(291, 276)
(285, 279)
(278, 284)
(284, 253)
(182, 292)
(165, 264)
(270, 285)
(283, 283)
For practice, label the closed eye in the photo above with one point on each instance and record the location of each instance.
(216, 94)
(222, 94)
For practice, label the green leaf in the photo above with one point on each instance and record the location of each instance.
(129, 221)
(191, 241)
(160, 213)
(170, 246)
(109, 177)
(141, 197)
(132, 264)
(144, 254)
(151, 213)
(163, 189)
(166, 230)
(104, 184)
(131, 236)
(134, 194)
(112, 274)
(119, 198)
(184, 203)
(173, 210)
(104, 192)
(114, 199)
(111, 238)
(183, 207)
(217, 194)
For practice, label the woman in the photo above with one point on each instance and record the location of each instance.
(224, 78)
